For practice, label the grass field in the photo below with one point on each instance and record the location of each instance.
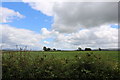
(61, 64)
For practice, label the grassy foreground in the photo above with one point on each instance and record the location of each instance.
(96, 65)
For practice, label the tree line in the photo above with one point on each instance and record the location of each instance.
(79, 49)
(48, 49)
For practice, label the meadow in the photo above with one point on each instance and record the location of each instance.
(100, 65)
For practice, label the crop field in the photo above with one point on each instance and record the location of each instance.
(102, 65)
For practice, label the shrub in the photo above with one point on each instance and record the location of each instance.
(20, 66)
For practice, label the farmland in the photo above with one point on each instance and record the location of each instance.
(60, 64)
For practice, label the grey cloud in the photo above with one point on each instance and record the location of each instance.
(70, 17)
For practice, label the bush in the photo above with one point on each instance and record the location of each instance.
(22, 66)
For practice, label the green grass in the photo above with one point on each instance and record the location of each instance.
(70, 54)
(61, 64)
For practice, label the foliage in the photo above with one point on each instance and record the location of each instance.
(30, 65)
(87, 49)
(44, 48)
(54, 49)
(100, 49)
(79, 49)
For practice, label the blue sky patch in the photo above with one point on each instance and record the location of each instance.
(34, 20)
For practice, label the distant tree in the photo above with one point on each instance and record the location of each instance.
(44, 48)
(100, 49)
(48, 49)
(87, 49)
(54, 49)
(79, 49)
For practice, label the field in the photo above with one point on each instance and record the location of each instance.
(102, 65)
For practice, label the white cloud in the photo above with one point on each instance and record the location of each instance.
(46, 42)
(44, 7)
(45, 32)
(7, 15)
(12, 36)
(103, 37)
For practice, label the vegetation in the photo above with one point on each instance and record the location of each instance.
(48, 49)
(87, 49)
(100, 49)
(79, 49)
(44, 48)
(102, 65)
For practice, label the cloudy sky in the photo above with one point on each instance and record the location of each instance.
(60, 25)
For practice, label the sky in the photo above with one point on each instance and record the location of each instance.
(60, 25)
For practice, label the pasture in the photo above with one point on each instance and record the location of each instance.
(101, 65)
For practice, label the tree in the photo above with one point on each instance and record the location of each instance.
(44, 48)
(79, 49)
(48, 49)
(100, 49)
(54, 49)
(87, 49)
